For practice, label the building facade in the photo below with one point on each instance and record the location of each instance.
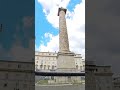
(98, 77)
(103, 77)
(16, 75)
(47, 61)
(116, 83)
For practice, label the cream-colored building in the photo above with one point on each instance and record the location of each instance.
(16, 75)
(47, 61)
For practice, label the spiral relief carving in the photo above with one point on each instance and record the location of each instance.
(63, 36)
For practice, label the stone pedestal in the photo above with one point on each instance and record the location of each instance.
(66, 62)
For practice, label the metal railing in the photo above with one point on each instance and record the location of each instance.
(59, 73)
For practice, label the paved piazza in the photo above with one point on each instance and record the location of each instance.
(72, 87)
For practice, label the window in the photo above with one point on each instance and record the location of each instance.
(44, 67)
(6, 76)
(41, 66)
(76, 66)
(5, 85)
(52, 67)
(80, 67)
(1, 28)
(19, 66)
(48, 67)
(9, 65)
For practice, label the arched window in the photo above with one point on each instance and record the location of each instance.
(41, 66)
(44, 67)
(48, 67)
(76, 66)
(52, 67)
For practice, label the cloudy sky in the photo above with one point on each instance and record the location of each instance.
(17, 37)
(102, 32)
(47, 24)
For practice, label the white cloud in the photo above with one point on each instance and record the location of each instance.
(50, 8)
(48, 4)
(52, 45)
(48, 35)
(75, 25)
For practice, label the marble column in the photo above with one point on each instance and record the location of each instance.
(63, 36)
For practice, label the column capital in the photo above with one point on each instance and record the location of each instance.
(63, 9)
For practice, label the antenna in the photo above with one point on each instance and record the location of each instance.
(1, 27)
